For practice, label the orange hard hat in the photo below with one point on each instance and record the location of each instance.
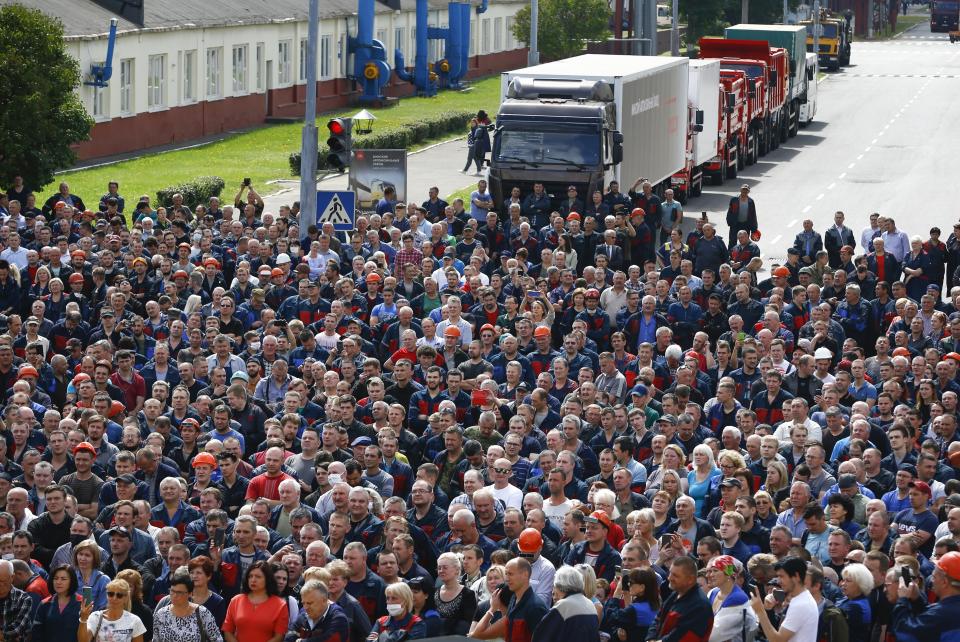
(949, 563)
(530, 541)
(204, 458)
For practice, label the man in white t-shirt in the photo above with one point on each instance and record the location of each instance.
(510, 496)
(557, 505)
(800, 622)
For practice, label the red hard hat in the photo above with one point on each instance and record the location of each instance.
(949, 563)
(638, 211)
(530, 541)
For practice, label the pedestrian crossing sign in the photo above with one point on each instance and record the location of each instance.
(337, 208)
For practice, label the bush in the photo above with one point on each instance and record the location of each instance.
(397, 137)
(195, 192)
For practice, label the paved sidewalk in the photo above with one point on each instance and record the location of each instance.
(438, 165)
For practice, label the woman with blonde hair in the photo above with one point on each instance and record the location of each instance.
(766, 510)
(777, 484)
(644, 527)
(590, 586)
(662, 506)
(135, 581)
(455, 603)
(115, 623)
(400, 615)
(672, 458)
(698, 479)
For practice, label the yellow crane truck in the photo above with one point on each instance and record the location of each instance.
(836, 34)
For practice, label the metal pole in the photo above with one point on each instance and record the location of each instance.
(675, 29)
(870, 19)
(786, 10)
(816, 31)
(533, 56)
(744, 11)
(308, 144)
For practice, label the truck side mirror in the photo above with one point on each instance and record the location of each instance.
(698, 117)
(616, 154)
(810, 73)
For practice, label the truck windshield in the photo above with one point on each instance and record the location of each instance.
(567, 146)
(945, 6)
(826, 30)
(752, 71)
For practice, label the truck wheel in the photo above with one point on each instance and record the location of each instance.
(795, 123)
(697, 188)
(731, 170)
(741, 161)
(752, 150)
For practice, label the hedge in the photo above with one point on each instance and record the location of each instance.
(195, 192)
(397, 137)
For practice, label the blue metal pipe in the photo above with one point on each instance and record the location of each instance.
(421, 75)
(400, 67)
(464, 42)
(111, 41)
(365, 17)
(454, 42)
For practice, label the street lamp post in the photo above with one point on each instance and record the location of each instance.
(308, 144)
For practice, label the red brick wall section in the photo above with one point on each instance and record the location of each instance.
(180, 125)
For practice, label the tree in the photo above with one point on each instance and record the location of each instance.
(703, 18)
(564, 26)
(41, 115)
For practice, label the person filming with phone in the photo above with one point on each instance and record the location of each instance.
(914, 619)
(800, 622)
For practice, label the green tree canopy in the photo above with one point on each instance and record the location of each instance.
(41, 115)
(564, 26)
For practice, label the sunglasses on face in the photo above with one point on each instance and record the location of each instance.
(116, 594)
(502, 471)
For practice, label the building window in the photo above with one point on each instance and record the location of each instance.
(326, 55)
(303, 60)
(157, 81)
(189, 71)
(214, 72)
(473, 37)
(284, 75)
(240, 56)
(126, 86)
(260, 63)
(100, 101)
(498, 34)
(510, 41)
(485, 41)
(382, 37)
(398, 39)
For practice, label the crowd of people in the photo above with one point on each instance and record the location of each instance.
(513, 421)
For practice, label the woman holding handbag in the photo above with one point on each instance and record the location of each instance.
(181, 620)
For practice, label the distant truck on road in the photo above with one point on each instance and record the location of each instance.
(944, 15)
(588, 120)
(836, 34)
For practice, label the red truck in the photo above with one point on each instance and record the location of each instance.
(735, 139)
(767, 75)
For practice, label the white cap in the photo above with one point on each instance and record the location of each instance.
(282, 258)
(822, 353)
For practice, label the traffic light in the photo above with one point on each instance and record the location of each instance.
(339, 143)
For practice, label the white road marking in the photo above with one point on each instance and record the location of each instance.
(820, 196)
(775, 239)
(840, 178)
(868, 149)
(831, 185)
(794, 221)
(874, 141)
(858, 158)
(805, 210)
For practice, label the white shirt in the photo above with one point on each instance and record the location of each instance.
(124, 629)
(556, 512)
(802, 618)
(782, 433)
(17, 257)
(510, 495)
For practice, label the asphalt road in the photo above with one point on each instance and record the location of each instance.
(885, 129)
(883, 133)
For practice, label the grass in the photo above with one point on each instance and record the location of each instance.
(463, 193)
(903, 23)
(260, 154)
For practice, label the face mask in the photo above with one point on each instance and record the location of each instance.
(393, 609)
(76, 539)
(255, 346)
(8, 556)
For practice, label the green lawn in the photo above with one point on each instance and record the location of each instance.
(903, 23)
(260, 154)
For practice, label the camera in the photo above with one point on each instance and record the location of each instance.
(505, 593)
(246, 182)
(906, 574)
